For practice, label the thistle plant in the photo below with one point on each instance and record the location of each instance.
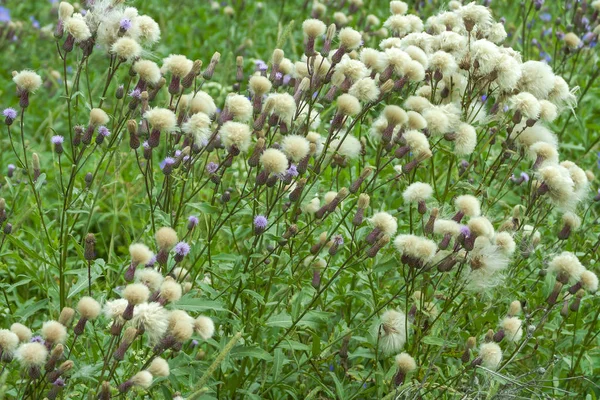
(387, 207)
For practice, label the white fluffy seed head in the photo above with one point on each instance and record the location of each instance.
(23, 332)
(349, 38)
(505, 243)
(466, 140)
(259, 85)
(417, 142)
(513, 328)
(398, 7)
(481, 226)
(149, 31)
(166, 237)
(8, 341)
(395, 115)
(491, 355)
(239, 107)
(284, 106)
(32, 354)
(136, 293)
(385, 222)
(571, 40)
(468, 205)
(148, 71)
(515, 308)
(78, 28)
(28, 81)
(177, 65)
(296, 147)
(159, 367)
(392, 331)
(274, 161)
(54, 332)
(417, 192)
(566, 263)
(405, 363)
(204, 326)
(162, 119)
(88, 308)
(446, 227)
(142, 379)
(65, 10)
(348, 104)
(126, 48)
(140, 253)
(170, 290)
(416, 247)
(548, 111)
(571, 220)
(536, 78)
(98, 117)
(416, 121)
(149, 277)
(589, 281)
(235, 133)
(202, 102)
(313, 28)
(527, 104)
(198, 125)
(181, 325)
(365, 90)
(350, 148)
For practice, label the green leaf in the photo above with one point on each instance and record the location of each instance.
(282, 320)
(250, 351)
(198, 305)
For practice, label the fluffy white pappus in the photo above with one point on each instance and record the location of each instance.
(181, 325)
(437, 121)
(468, 205)
(126, 48)
(24, 333)
(8, 341)
(202, 102)
(149, 277)
(571, 220)
(475, 15)
(88, 308)
(452, 42)
(65, 10)
(527, 104)
(486, 54)
(78, 28)
(348, 105)
(166, 237)
(397, 59)
(390, 43)
(365, 90)
(142, 379)
(148, 71)
(311, 206)
(402, 25)
(259, 85)
(508, 72)
(178, 65)
(114, 308)
(496, 33)
(465, 140)
(417, 192)
(505, 243)
(481, 226)
(561, 95)
(349, 38)
(159, 367)
(491, 355)
(513, 329)
(536, 78)
(162, 119)
(579, 177)
(204, 326)
(568, 264)
(543, 151)
(443, 62)
(32, 354)
(139, 253)
(385, 222)
(417, 142)
(147, 28)
(405, 363)
(239, 107)
(418, 55)
(136, 293)
(170, 290)
(27, 80)
(446, 227)
(398, 7)
(589, 281)
(392, 331)
(152, 318)
(373, 59)
(313, 28)
(548, 111)
(296, 147)
(54, 332)
(284, 106)
(274, 161)
(349, 148)
(235, 133)
(561, 188)
(350, 69)
(416, 247)
(198, 125)
(533, 134)
(416, 121)
(487, 261)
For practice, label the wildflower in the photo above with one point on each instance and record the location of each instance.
(349, 148)
(9, 115)
(405, 364)
(22, 332)
(192, 222)
(159, 367)
(490, 355)
(447, 228)
(126, 49)
(181, 249)
(566, 266)
(32, 356)
(235, 134)
(295, 147)
(273, 161)
(237, 107)
(8, 343)
(152, 319)
(260, 224)
(54, 332)
(204, 326)
(77, 28)
(134, 293)
(416, 251)
(467, 205)
(383, 223)
(27, 82)
(57, 141)
(512, 327)
(142, 379)
(89, 309)
(161, 120)
(589, 281)
(392, 331)
(148, 72)
(418, 192)
(486, 261)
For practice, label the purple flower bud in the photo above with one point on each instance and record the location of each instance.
(192, 221)
(103, 131)
(212, 167)
(182, 249)
(10, 113)
(292, 171)
(57, 140)
(11, 169)
(59, 382)
(136, 94)
(167, 165)
(338, 240)
(37, 339)
(464, 230)
(525, 177)
(152, 261)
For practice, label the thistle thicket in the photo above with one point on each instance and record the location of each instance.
(387, 210)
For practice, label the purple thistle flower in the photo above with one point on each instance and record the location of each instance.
(177, 153)
(11, 168)
(125, 24)
(338, 239)
(212, 167)
(34, 22)
(484, 98)
(292, 171)
(194, 342)
(10, 113)
(37, 339)
(146, 145)
(59, 382)
(525, 177)
(278, 76)
(103, 131)
(152, 261)
(260, 222)
(260, 65)
(465, 231)
(182, 249)
(4, 14)
(167, 162)
(286, 79)
(57, 139)
(192, 221)
(136, 94)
